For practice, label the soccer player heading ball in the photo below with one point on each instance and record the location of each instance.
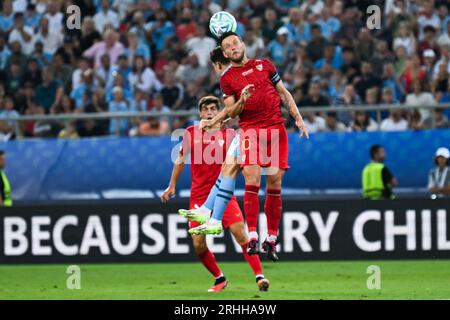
(252, 89)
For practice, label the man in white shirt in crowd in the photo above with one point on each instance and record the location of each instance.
(55, 16)
(395, 122)
(22, 34)
(201, 45)
(105, 16)
(51, 40)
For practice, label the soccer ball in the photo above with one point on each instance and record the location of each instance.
(222, 22)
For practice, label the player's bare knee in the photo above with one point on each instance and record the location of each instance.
(238, 232)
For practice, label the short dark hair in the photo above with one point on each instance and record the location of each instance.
(226, 35)
(216, 56)
(18, 15)
(374, 150)
(208, 100)
(2, 152)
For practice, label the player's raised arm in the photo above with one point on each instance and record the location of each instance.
(232, 108)
(289, 102)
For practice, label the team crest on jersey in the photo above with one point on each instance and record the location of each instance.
(259, 67)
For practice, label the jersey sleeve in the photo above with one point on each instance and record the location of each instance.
(273, 73)
(186, 143)
(225, 86)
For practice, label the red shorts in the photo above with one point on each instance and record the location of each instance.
(265, 147)
(231, 215)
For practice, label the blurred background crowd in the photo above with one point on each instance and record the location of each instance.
(149, 55)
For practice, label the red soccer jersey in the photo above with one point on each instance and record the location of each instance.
(263, 108)
(207, 153)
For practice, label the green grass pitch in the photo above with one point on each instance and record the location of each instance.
(289, 280)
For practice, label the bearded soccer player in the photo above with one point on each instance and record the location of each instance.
(263, 137)
(206, 150)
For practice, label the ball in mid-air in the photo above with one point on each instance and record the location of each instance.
(222, 22)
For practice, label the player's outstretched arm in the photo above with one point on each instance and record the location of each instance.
(289, 102)
(219, 118)
(232, 108)
(177, 170)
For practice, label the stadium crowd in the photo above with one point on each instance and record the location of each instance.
(137, 55)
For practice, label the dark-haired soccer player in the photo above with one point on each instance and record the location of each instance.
(206, 148)
(263, 137)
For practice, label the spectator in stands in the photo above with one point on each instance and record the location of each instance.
(444, 38)
(280, 49)
(161, 30)
(439, 177)
(313, 122)
(366, 80)
(187, 28)
(271, 24)
(299, 30)
(22, 34)
(377, 179)
(61, 71)
(390, 80)
(315, 97)
(405, 38)
(332, 123)
(316, 47)
(143, 78)
(89, 35)
(51, 39)
(123, 69)
(136, 49)
(4, 51)
(83, 93)
(201, 45)
(437, 119)
(413, 71)
(118, 104)
(103, 73)
(14, 78)
(348, 98)
(110, 45)
(194, 72)
(362, 122)
(106, 16)
(7, 17)
(329, 25)
(254, 44)
(445, 59)
(49, 92)
(172, 91)
(55, 16)
(395, 122)
(8, 111)
(420, 98)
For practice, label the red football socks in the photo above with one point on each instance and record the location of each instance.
(251, 207)
(253, 261)
(209, 261)
(273, 208)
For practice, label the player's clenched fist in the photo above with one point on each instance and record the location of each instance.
(168, 193)
(247, 92)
